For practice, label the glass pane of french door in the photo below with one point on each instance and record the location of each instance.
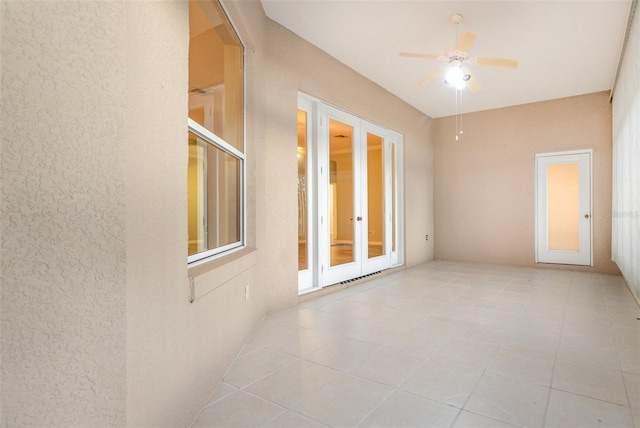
(303, 241)
(375, 195)
(563, 207)
(341, 193)
(393, 198)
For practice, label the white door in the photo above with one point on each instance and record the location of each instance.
(563, 214)
(376, 198)
(340, 204)
(354, 197)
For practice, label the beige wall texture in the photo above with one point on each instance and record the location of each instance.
(63, 214)
(485, 183)
(98, 327)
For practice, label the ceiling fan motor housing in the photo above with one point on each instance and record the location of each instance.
(456, 18)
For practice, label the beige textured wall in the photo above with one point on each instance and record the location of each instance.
(63, 214)
(485, 183)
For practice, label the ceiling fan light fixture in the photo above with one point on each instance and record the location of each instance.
(456, 77)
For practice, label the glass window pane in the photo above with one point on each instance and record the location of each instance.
(213, 196)
(375, 195)
(303, 242)
(393, 197)
(216, 90)
(563, 207)
(341, 192)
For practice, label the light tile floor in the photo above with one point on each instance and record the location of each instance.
(443, 344)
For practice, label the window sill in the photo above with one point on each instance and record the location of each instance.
(226, 268)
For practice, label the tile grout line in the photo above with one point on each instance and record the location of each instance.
(222, 380)
(555, 360)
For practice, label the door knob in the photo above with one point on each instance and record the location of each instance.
(586, 216)
(359, 218)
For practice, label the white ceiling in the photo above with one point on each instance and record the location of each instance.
(565, 48)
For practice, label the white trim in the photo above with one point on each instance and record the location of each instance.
(566, 152)
(213, 139)
(213, 254)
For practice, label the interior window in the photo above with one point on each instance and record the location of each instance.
(216, 133)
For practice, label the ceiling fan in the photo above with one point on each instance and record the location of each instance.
(457, 70)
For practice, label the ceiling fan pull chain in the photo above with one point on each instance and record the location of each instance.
(458, 114)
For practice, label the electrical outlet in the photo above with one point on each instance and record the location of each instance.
(426, 237)
(246, 292)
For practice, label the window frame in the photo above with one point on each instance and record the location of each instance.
(210, 138)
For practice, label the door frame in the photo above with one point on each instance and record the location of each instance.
(307, 278)
(312, 278)
(541, 207)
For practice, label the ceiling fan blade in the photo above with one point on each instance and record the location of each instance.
(465, 41)
(429, 77)
(495, 62)
(418, 55)
(473, 84)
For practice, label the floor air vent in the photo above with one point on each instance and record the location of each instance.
(348, 281)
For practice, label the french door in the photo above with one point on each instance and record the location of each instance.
(356, 201)
(563, 200)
